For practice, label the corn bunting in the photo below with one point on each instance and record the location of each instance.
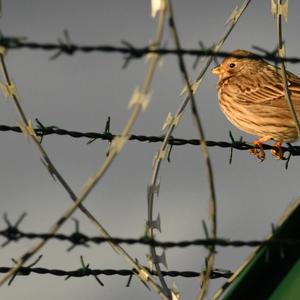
(251, 95)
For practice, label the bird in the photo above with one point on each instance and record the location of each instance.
(251, 95)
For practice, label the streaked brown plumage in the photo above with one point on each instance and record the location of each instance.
(251, 95)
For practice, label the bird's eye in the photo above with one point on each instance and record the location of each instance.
(232, 65)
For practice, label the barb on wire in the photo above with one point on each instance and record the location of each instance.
(77, 238)
(267, 52)
(12, 231)
(65, 46)
(132, 54)
(235, 143)
(29, 266)
(106, 135)
(85, 271)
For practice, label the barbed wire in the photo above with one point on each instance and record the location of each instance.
(108, 136)
(65, 46)
(83, 272)
(13, 234)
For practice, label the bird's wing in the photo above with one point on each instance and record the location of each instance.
(265, 87)
(294, 86)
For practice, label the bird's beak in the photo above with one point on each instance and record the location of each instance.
(218, 70)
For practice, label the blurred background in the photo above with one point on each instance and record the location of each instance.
(79, 92)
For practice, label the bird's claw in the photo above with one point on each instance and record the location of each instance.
(258, 152)
(278, 151)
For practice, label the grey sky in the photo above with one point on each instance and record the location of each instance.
(79, 92)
